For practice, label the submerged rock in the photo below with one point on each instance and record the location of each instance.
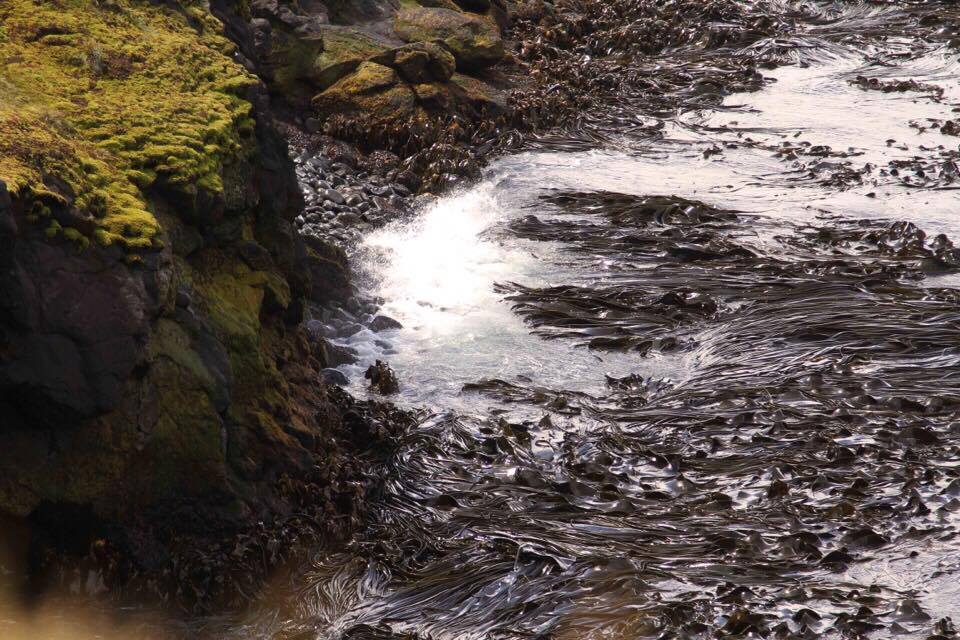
(333, 376)
(382, 378)
(384, 323)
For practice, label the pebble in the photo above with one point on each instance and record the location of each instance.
(383, 192)
(334, 196)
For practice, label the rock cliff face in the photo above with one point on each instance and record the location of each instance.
(152, 367)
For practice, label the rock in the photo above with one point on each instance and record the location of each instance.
(442, 4)
(419, 62)
(474, 41)
(333, 376)
(334, 196)
(384, 323)
(409, 179)
(155, 376)
(344, 50)
(379, 190)
(183, 298)
(372, 89)
(288, 57)
(479, 95)
(255, 255)
(360, 11)
(316, 330)
(5, 200)
(329, 270)
(434, 96)
(382, 378)
(348, 218)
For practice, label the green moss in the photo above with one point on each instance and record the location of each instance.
(187, 448)
(111, 100)
(75, 236)
(53, 229)
(372, 89)
(233, 295)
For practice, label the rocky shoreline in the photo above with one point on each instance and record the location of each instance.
(167, 429)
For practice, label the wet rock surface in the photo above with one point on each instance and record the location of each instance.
(382, 378)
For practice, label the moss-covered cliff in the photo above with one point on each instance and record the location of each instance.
(103, 101)
(152, 369)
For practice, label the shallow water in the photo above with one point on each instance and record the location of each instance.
(695, 383)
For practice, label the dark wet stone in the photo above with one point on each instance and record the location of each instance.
(348, 218)
(184, 299)
(379, 190)
(334, 196)
(384, 323)
(382, 378)
(334, 376)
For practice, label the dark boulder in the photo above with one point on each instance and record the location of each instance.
(384, 323)
(382, 378)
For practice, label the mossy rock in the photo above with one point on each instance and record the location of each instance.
(292, 64)
(232, 295)
(186, 454)
(360, 11)
(373, 89)
(474, 41)
(344, 50)
(103, 101)
(479, 94)
(420, 62)
(434, 96)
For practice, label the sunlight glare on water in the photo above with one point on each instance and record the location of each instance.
(437, 275)
(440, 268)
